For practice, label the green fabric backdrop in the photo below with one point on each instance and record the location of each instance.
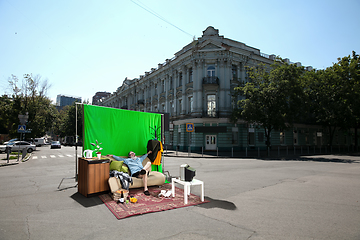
(119, 131)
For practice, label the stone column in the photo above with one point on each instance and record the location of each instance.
(183, 89)
(221, 98)
(198, 95)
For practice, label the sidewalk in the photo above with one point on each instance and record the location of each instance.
(5, 162)
(274, 155)
(213, 154)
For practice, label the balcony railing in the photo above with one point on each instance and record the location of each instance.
(211, 114)
(211, 80)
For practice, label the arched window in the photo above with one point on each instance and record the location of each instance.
(211, 105)
(211, 71)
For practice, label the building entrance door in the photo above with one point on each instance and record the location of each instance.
(210, 142)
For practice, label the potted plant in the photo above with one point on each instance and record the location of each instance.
(97, 148)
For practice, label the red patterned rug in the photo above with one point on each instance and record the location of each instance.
(148, 204)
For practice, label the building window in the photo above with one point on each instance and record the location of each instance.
(234, 72)
(251, 139)
(307, 138)
(180, 79)
(180, 106)
(171, 138)
(190, 75)
(211, 71)
(211, 106)
(282, 137)
(162, 86)
(191, 105)
(171, 83)
(261, 137)
(171, 108)
(235, 136)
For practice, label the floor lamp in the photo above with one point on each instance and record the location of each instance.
(76, 145)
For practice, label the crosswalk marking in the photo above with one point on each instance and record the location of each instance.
(53, 156)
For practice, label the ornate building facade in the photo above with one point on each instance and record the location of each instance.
(195, 89)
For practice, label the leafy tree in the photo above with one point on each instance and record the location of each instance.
(325, 99)
(272, 98)
(68, 121)
(347, 69)
(29, 95)
(5, 111)
(334, 95)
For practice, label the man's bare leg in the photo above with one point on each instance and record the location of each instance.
(144, 177)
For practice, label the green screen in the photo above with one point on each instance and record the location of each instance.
(119, 131)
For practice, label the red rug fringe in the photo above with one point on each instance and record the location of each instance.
(149, 204)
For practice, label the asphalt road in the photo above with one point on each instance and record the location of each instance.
(315, 198)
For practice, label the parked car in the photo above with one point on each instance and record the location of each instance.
(2, 148)
(10, 141)
(55, 144)
(20, 145)
(39, 141)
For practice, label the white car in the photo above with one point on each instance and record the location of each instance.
(10, 141)
(2, 148)
(20, 145)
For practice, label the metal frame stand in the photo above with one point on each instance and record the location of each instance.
(75, 177)
(76, 145)
(166, 173)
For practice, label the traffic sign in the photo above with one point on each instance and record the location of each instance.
(21, 128)
(189, 127)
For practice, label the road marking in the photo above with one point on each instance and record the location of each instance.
(61, 156)
(52, 156)
(68, 155)
(43, 157)
(34, 157)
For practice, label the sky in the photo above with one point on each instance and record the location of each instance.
(84, 46)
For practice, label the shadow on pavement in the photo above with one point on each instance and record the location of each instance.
(215, 203)
(333, 158)
(86, 201)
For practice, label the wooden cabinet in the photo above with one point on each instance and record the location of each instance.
(93, 176)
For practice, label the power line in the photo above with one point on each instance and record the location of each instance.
(146, 8)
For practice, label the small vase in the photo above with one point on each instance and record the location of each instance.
(99, 155)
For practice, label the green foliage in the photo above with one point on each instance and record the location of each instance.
(272, 97)
(64, 125)
(278, 97)
(28, 96)
(334, 94)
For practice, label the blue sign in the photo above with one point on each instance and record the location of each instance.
(21, 128)
(189, 127)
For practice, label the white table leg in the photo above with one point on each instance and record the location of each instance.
(202, 192)
(172, 187)
(186, 194)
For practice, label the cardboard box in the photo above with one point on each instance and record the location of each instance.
(115, 188)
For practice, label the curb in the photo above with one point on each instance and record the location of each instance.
(8, 164)
(25, 159)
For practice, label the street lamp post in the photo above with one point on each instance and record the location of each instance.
(23, 119)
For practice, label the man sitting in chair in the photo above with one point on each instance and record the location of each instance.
(136, 167)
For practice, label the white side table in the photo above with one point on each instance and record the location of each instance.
(187, 186)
